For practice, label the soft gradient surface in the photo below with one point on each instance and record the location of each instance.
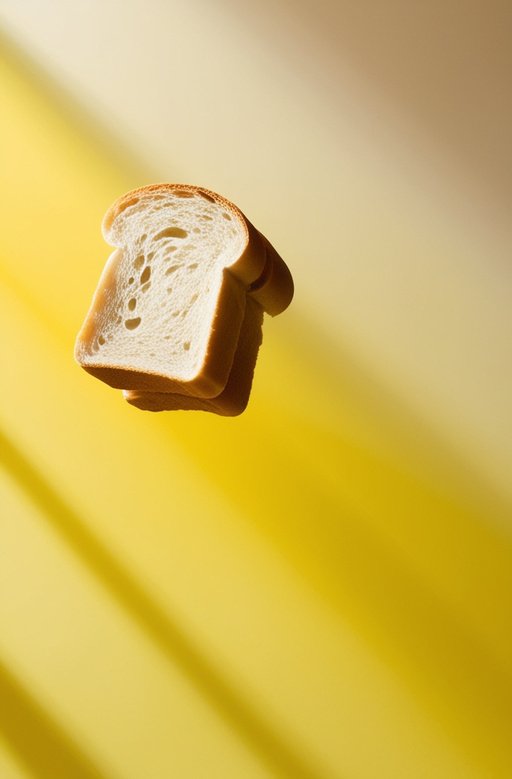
(319, 588)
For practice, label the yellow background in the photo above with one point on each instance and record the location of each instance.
(321, 587)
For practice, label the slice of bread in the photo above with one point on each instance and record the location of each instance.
(235, 395)
(167, 313)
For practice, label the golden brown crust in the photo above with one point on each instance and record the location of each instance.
(274, 288)
(128, 199)
(87, 332)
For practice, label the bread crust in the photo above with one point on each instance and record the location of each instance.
(274, 288)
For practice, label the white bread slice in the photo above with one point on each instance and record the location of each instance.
(167, 312)
(235, 395)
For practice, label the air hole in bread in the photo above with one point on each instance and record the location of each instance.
(131, 304)
(143, 237)
(186, 345)
(196, 230)
(169, 290)
(101, 340)
(132, 324)
(207, 218)
(182, 193)
(131, 280)
(207, 197)
(175, 314)
(193, 266)
(170, 250)
(150, 256)
(145, 275)
(171, 269)
(145, 286)
(138, 262)
(193, 298)
(171, 232)
(226, 216)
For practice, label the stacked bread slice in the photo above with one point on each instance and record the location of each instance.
(176, 319)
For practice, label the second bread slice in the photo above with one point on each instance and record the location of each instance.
(235, 396)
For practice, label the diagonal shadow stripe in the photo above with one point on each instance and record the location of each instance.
(166, 634)
(40, 744)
